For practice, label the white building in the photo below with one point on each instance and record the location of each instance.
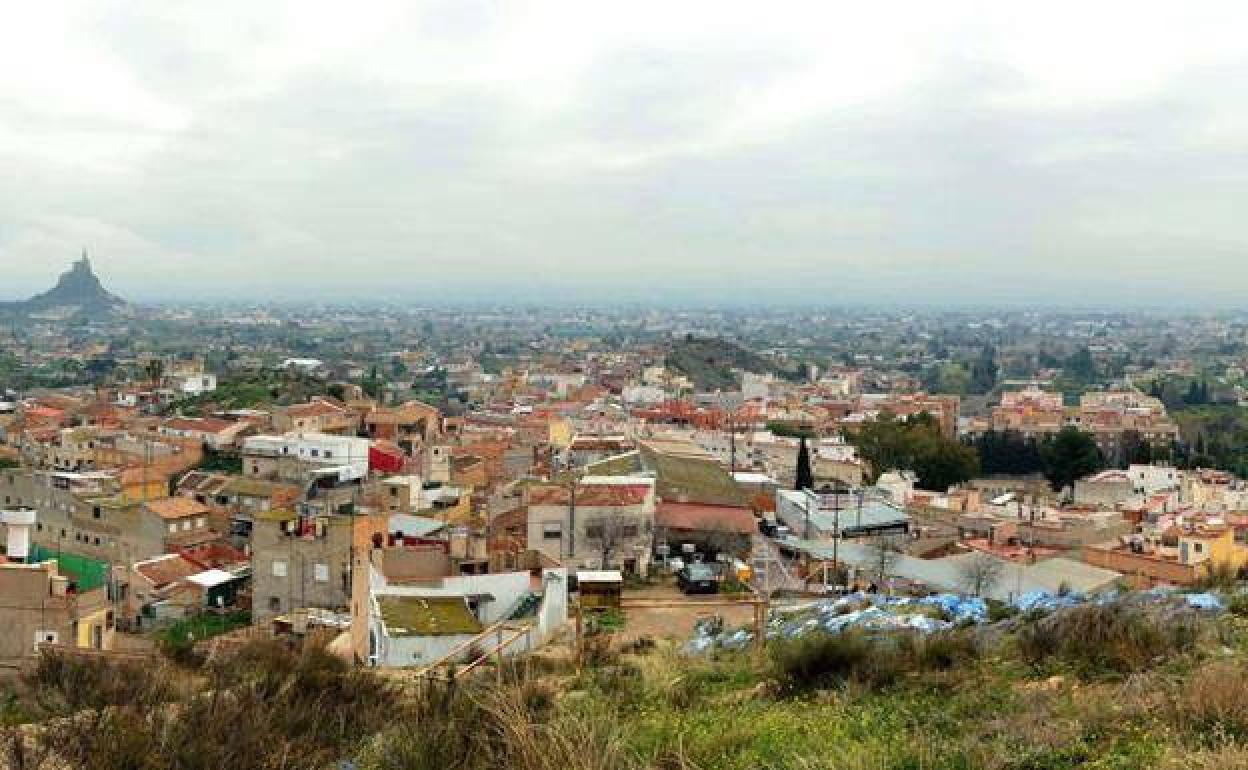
(348, 453)
(195, 384)
(1150, 479)
(644, 394)
(414, 625)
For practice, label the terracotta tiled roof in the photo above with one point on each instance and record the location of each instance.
(167, 569)
(517, 519)
(708, 518)
(199, 424)
(142, 475)
(314, 409)
(176, 507)
(595, 495)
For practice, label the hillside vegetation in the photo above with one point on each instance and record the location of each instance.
(710, 362)
(1105, 686)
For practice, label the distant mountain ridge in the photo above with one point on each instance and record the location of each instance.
(77, 292)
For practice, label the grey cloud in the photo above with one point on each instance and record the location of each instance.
(339, 182)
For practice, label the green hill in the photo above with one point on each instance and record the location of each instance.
(710, 362)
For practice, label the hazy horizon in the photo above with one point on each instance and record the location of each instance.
(925, 155)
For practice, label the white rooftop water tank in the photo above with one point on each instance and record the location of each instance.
(17, 524)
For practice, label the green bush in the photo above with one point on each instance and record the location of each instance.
(943, 651)
(266, 707)
(820, 659)
(1238, 605)
(64, 683)
(999, 610)
(1109, 638)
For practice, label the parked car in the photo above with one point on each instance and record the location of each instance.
(698, 578)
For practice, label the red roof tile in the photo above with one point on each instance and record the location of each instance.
(711, 518)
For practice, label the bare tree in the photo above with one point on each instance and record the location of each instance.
(980, 572)
(608, 533)
(719, 538)
(887, 553)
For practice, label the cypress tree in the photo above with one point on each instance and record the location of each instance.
(805, 476)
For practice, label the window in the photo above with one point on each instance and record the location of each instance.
(199, 523)
(552, 530)
(321, 573)
(279, 569)
(329, 453)
(316, 453)
(95, 511)
(275, 604)
(394, 491)
(1199, 547)
(186, 525)
(173, 527)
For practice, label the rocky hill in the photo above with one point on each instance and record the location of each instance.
(78, 292)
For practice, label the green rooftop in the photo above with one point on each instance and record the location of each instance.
(427, 616)
(692, 479)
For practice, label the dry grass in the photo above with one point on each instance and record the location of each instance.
(1213, 700)
(1111, 638)
(267, 707)
(518, 728)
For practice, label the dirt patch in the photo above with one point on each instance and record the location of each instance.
(676, 622)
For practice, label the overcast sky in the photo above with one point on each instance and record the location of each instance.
(704, 151)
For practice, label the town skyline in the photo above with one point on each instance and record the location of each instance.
(157, 295)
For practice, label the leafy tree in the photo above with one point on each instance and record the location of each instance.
(1070, 455)
(917, 444)
(1197, 393)
(373, 383)
(1135, 449)
(984, 371)
(1008, 453)
(805, 476)
(1080, 366)
(948, 378)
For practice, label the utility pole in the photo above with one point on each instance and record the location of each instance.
(836, 534)
(571, 508)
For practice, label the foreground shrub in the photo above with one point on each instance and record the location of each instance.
(943, 651)
(820, 659)
(1110, 638)
(1213, 701)
(1238, 605)
(63, 683)
(487, 727)
(269, 706)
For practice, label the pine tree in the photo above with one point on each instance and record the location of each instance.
(805, 476)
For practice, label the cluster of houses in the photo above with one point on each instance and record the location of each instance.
(410, 531)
